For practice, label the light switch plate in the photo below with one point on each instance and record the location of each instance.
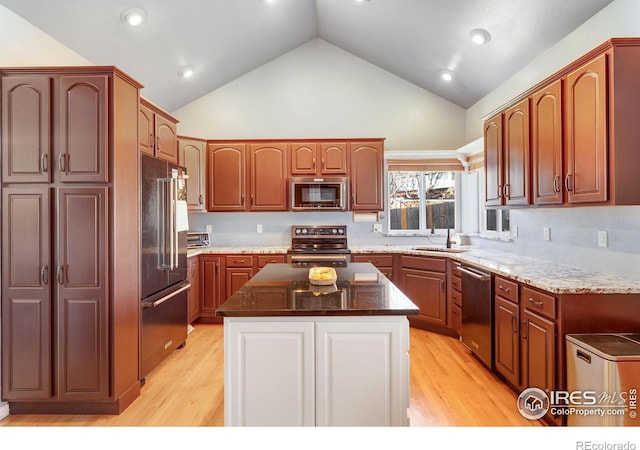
(602, 238)
(259, 228)
(547, 233)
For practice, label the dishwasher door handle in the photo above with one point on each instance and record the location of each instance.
(482, 276)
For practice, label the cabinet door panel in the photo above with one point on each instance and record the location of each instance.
(493, 161)
(226, 177)
(507, 340)
(516, 154)
(333, 158)
(270, 375)
(26, 126)
(360, 373)
(236, 278)
(366, 176)
(192, 158)
(82, 280)
(268, 177)
(303, 158)
(146, 131)
(587, 136)
(211, 284)
(546, 145)
(538, 351)
(428, 291)
(26, 294)
(83, 147)
(166, 139)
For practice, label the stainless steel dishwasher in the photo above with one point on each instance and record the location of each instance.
(477, 313)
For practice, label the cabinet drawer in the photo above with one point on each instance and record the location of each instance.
(239, 261)
(543, 304)
(376, 260)
(263, 260)
(456, 297)
(417, 262)
(456, 283)
(506, 289)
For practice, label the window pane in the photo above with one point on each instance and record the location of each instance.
(404, 200)
(505, 220)
(440, 195)
(492, 222)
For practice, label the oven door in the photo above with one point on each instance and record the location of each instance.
(319, 259)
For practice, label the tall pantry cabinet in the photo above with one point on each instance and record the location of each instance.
(70, 307)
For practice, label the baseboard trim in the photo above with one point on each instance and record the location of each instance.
(4, 410)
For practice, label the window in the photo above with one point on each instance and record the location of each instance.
(421, 202)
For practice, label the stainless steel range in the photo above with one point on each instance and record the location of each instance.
(319, 245)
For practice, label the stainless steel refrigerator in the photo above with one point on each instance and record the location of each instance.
(164, 284)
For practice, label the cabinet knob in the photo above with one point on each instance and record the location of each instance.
(158, 144)
(200, 199)
(567, 182)
(556, 183)
(44, 162)
(60, 274)
(62, 162)
(44, 274)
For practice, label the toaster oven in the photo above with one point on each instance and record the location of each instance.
(197, 239)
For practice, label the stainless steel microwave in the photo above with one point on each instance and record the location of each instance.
(325, 194)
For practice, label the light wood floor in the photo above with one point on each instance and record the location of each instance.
(448, 388)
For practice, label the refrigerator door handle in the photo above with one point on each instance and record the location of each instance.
(165, 246)
(174, 224)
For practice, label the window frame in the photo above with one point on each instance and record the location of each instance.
(422, 229)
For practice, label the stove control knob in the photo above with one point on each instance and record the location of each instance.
(304, 231)
(341, 231)
(334, 231)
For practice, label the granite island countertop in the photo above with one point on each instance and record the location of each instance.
(544, 274)
(285, 290)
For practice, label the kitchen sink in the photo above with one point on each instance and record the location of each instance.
(440, 249)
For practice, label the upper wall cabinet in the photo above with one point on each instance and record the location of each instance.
(157, 132)
(318, 159)
(584, 134)
(78, 153)
(366, 168)
(192, 156)
(507, 156)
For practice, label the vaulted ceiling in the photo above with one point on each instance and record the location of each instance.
(225, 39)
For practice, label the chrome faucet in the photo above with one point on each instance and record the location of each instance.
(433, 228)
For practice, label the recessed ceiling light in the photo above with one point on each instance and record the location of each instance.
(132, 16)
(480, 36)
(447, 75)
(187, 72)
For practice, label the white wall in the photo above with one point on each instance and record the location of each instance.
(620, 18)
(23, 45)
(319, 90)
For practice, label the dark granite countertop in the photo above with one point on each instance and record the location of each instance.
(284, 290)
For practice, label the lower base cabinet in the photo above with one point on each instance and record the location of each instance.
(316, 371)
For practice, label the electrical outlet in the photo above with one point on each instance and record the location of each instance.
(547, 233)
(377, 228)
(209, 228)
(259, 228)
(514, 231)
(602, 238)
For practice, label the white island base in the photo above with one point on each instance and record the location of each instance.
(316, 371)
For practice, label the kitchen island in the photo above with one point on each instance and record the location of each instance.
(298, 354)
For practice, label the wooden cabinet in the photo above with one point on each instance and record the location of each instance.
(507, 157)
(329, 371)
(263, 260)
(239, 269)
(192, 156)
(212, 287)
(78, 150)
(70, 309)
(525, 339)
(384, 263)
(582, 131)
(318, 158)
(587, 139)
(366, 168)
(193, 298)
(158, 135)
(246, 177)
(423, 280)
(547, 145)
(226, 176)
(268, 176)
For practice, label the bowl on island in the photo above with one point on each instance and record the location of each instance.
(322, 276)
